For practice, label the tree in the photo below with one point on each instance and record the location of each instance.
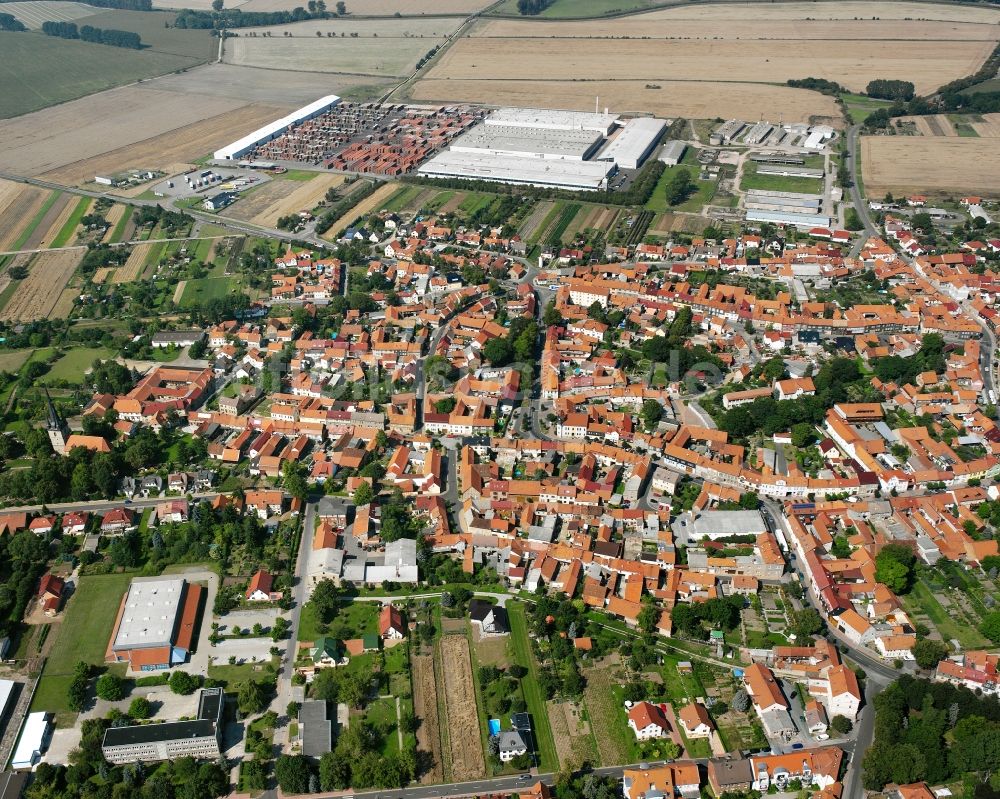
(928, 653)
(251, 698)
(324, 599)
(183, 683)
(841, 724)
(253, 776)
(334, 772)
(140, 708)
(990, 626)
(341, 8)
(803, 434)
(363, 494)
(294, 474)
(110, 687)
(805, 623)
(551, 317)
(652, 412)
(498, 351)
(292, 773)
(648, 617)
(679, 187)
(894, 567)
(741, 701)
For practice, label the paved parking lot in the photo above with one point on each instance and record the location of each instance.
(245, 650)
(246, 619)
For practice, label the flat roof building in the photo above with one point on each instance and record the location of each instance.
(724, 523)
(272, 130)
(316, 728)
(634, 142)
(156, 623)
(553, 120)
(524, 142)
(34, 740)
(580, 175)
(198, 737)
(672, 152)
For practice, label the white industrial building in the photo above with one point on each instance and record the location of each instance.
(544, 119)
(522, 142)
(577, 175)
(672, 152)
(33, 742)
(634, 142)
(272, 130)
(786, 208)
(558, 149)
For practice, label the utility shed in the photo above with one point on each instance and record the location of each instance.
(672, 152)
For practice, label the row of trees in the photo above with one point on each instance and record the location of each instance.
(220, 18)
(530, 8)
(88, 33)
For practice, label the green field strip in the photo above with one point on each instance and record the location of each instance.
(64, 235)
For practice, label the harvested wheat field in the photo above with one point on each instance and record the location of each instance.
(64, 305)
(369, 205)
(465, 740)
(690, 99)
(42, 289)
(534, 219)
(931, 125)
(425, 708)
(304, 197)
(19, 214)
(931, 165)
(133, 266)
(990, 126)
(133, 126)
(9, 190)
(851, 63)
(258, 199)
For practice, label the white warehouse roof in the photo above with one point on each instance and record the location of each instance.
(528, 142)
(634, 142)
(789, 218)
(276, 128)
(553, 120)
(33, 739)
(583, 175)
(150, 614)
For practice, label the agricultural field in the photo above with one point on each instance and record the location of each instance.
(701, 49)
(703, 192)
(39, 293)
(425, 708)
(34, 12)
(615, 743)
(465, 740)
(363, 8)
(933, 165)
(691, 99)
(19, 214)
(851, 63)
(379, 49)
(860, 107)
(371, 204)
(987, 125)
(575, 9)
(42, 70)
(134, 126)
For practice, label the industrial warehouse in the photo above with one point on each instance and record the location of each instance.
(562, 149)
(156, 623)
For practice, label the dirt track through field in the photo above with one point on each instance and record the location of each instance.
(42, 289)
(425, 708)
(465, 740)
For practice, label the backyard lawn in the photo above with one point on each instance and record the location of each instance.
(533, 696)
(72, 365)
(83, 635)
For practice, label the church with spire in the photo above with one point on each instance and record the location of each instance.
(57, 427)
